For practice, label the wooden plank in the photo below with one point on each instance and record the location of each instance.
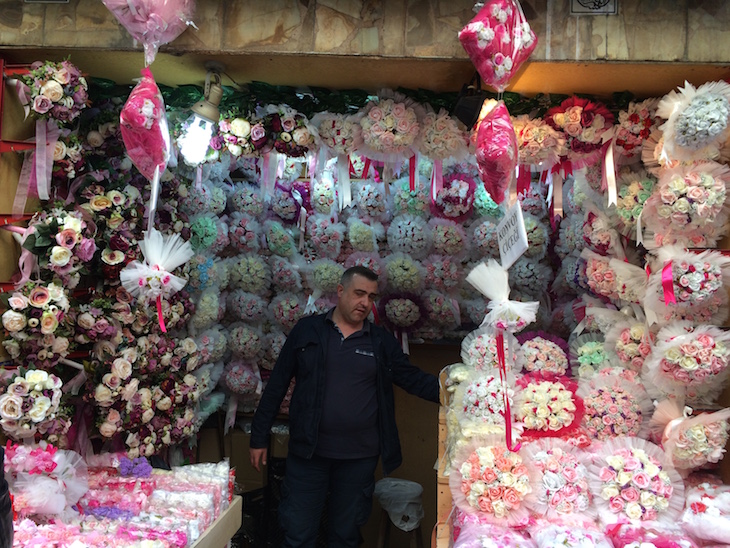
(223, 528)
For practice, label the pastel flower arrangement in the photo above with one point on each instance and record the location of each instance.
(635, 125)
(409, 234)
(35, 323)
(448, 237)
(403, 273)
(246, 341)
(212, 344)
(537, 237)
(244, 233)
(583, 122)
(324, 194)
(370, 200)
(543, 354)
(246, 307)
(441, 310)
(68, 158)
(274, 342)
(530, 277)
(484, 204)
(547, 407)
(324, 276)
(562, 490)
(540, 145)
(285, 274)
(29, 402)
(407, 201)
(443, 273)
(54, 91)
(247, 199)
(286, 309)
(204, 232)
(194, 201)
(492, 482)
(204, 271)
(340, 133)
(402, 312)
(278, 239)
(240, 378)
(251, 273)
(601, 278)
(479, 350)
(484, 242)
(456, 199)
(631, 481)
(441, 137)
(588, 353)
(390, 126)
(154, 354)
(483, 400)
(284, 206)
(209, 310)
(599, 234)
(362, 236)
(700, 442)
(236, 136)
(288, 129)
(94, 322)
(614, 407)
(632, 343)
(635, 188)
(373, 261)
(325, 236)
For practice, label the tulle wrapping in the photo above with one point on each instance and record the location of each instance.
(479, 349)
(144, 127)
(663, 481)
(498, 40)
(626, 535)
(479, 535)
(707, 513)
(633, 350)
(153, 22)
(514, 500)
(496, 152)
(555, 423)
(583, 535)
(598, 232)
(562, 493)
(555, 364)
(478, 402)
(702, 378)
(630, 281)
(674, 107)
(589, 354)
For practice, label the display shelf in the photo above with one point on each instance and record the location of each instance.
(223, 528)
(442, 533)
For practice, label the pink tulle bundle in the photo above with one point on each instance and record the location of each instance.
(144, 127)
(498, 40)
(626, 535)
(496, 151)
(153, 22)
(707, 513)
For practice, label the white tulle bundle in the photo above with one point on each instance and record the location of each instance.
(153, 278)
(707, 513)
(492, 281)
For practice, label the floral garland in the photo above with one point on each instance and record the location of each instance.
(456, 199)
(246, 307)
(29, 403)
(278, 239)
(325, 236)
(634, 190)
(583, 122)
(404, 274)
(244, 233)
(635, 125)
(389, 127)
(543, 354)
(251, 273)
(540, 145)
(54, 91)
(247, 199)
(443, 273)
(409, 234)
(286, 309)
(288, 130)
(548, 407)
(371, 201)
(407, 201)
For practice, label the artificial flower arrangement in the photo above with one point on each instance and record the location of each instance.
(631, 341)
(237, 135)
(478, 402)
(324, 194)
(402, 312)
(364, 236)
(246, 341)
(409, 234)
(212, 344)
(588, 353)
(210, 308)
(285, 275)
(706, 515)
(279, 240)
(241, 378)
(251, 273)
(530, 277)
(448, 238)
(614, 407)
(374, 262)
(690, 441)
(409, 201)
(246, 307)
(598, 232)
(194, 199)
(68, 158)
(205, 233)
(323, 276)
(632, 482)
(35, 323)
(371, 200)
(286, 309)
(54, 91)
(390, 125)
(635, 187)
(483, 236)
(543, 354)
(339, 133)
(635, 124)
(479, 349)
(442, 311)
(583, 122)
(548, 534)
(204, 270)
(441, 138)
(246, 198)
(325, 235)
(533, 201)
(30, 403)
(274, 342)
(561, 493)
(548, 408)
(404, 274)
(244, 233)
(455, 200)
(288, 130)
(600, 275)
(633, 536)
(474, 534)
(696, 123)
(537, 237)
(484, 204)
(94, 321)
(570, 237)
(540, 145)
(443, 273)
(492, 482)
(690, 360)
(284, 206)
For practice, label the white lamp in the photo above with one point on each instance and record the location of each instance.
(195, 138)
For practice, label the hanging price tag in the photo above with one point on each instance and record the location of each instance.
(512, 236)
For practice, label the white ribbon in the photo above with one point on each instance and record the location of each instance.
(639, 234)
(610, 170)
(302, 223)
(344, 193)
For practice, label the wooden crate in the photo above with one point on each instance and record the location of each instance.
(442, 533)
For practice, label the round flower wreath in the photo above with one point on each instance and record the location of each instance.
(251, 273)
(246, 198)
(371, 201)
(455, 200)
(402, 312)
(325, 236)
(540, 145)
(484, 205)
(631, 342)
(441, 310)
(543, 354)
(409, 234)
(324, 275)
(323, 194)
(390, 125)
(588, 353)
(244, 233)
(279, 240)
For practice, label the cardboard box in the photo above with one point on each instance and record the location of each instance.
(246, 475)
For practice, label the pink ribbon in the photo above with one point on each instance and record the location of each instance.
(437, 179)
(199, 177)
(668, 284)
(412, 163)
(505, 395)
(523, 180)
(312, 164)
(27, 261)
(160, 319)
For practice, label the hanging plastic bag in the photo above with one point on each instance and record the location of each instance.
(498, 40)
(497, 152)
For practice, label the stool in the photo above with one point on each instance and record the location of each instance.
(401, 505)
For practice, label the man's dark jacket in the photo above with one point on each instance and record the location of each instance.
(303, 357)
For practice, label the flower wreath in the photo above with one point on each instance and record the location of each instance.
(240, 378)
(478, 402)
(583, 123)
(548, 408)
(537, 237)
(600, 276)
(68, 158)
(570, 236)
(246, 341)
(402, 312)
(283, 204)
(323, 276)
(441, 138)
(599, 233)
(246, 198)
(530, 277)
(543, 354)
(631, 480)
(540, 145)
(324, 194)
(210, 307)
(204, 271)
(635, 125)
(696, 120)
(409, 234)
(484, 204)
(455, 200)
(448, 238)
(274, 342)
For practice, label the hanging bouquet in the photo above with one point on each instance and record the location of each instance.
(404, 274)
(696, 123)
(492, 482)
(390, 125)
(441, 138)
(243, 233)
(285, 275)
(372, 261)
(543, 354)
(530, 277)
(54, 91)
(540, 146)
(364, 236)
(246, 341)
(325, 235)
(340, 133)
(35, 323)
(240, 378)
(479, 349)
(29, 402)
(570, 236)
(286, 309)
(635, 188)
(204, 271)
(537, 237)
(635, 125)
(402, 312)
(246, 198)
(324, 194)
(599, 234)
(441, 310)
(615, 407)
(246, 307)
(689, 359)
(288, 129)
(456, 199)
(548, 407)
(407, 201)
(562, 492)
(583, 123)
(448, 238)
(284, 206)
(251, 273)
(212, 344)
(371, 200)
(485, 206)
(484, 241)
(208, 233)
(279, 240)
(210, 307)
(630, 480)
(409, 234)
(236, 134)
(195, 200)
(632, 343)
(601, 278)
(323, 276)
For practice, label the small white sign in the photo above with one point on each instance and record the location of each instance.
(512, 236)
(594, 7)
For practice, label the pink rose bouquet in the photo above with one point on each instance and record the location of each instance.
(635, 125)
(614, 407)
(390, 126)
(247, 199)
(28, 403)
(54, 91)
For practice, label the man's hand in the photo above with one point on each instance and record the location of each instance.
(258, 457)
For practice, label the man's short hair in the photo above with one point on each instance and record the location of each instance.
(359, 271)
